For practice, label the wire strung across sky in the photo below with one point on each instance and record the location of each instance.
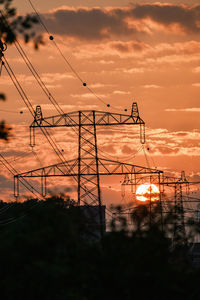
(14, 172)
(51, 38)
(43, 129)
(35, 73)
(42, 85)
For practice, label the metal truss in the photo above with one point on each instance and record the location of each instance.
(106, 167)
(86, 118)
(179, 225)
(88, 167)
(86, 175)
(178, 184)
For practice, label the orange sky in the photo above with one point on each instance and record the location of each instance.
(147, 52)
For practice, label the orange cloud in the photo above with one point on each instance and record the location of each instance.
(193, 109)
(125, 47)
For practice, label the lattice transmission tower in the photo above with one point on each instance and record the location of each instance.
(178, 184)
(87, 168)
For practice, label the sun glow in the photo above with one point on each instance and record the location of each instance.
(147, 192)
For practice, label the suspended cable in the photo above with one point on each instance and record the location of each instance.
(15, 219)
(14, 172)
(33, 70)
(20, 157)
(43, 129)
(30, 107)
(36, 75)
(51, 38)
(41, 22)
(19, 87)
(127, 158)
(6, 207)
(76, 73)
(28, 103)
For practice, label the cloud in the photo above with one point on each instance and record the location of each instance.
(133, 70)
(151, 86)
(196, 70)
(98, 24)
(69, 107)
(100, 85)
(133, 46)
(88, 96)
(168, 14)
(52, 77)
(197, 84)
(173, 144)
(88, 24)
(126, 149)
(193, 109)
(121, 92)
(106, 62)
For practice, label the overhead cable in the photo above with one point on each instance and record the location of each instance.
(51, 38)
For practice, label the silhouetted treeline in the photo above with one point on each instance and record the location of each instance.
(46, 253)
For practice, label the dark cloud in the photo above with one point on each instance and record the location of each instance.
(98, 24)
(126, 47)
(126, 150)
(185, 17)
(90, 24)
(167, 150)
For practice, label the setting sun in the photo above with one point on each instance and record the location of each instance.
(147, 192)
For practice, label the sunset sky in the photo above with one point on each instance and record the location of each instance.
(148, 52)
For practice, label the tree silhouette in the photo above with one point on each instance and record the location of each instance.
(45, 254)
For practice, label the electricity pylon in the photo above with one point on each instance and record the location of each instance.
(87, 168)
(179, 233)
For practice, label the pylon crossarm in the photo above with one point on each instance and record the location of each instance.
(106, 167)
(102, 119)
(111, 167)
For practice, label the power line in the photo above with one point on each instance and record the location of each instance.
(35, 73)
(51, 38)
(28, 103)
(29, 106)
(13, 171)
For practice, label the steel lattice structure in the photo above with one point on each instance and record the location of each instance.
(178, 184)
(87, 168)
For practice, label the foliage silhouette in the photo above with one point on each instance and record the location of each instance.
(45, 254)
